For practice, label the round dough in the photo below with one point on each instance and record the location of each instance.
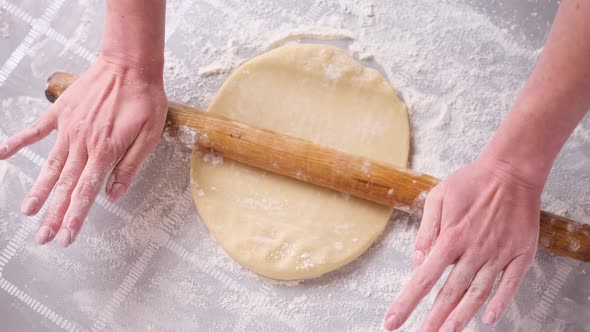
(282, 228)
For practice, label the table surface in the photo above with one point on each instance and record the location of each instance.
(148, 262)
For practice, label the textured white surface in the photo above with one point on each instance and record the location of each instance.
(148, 262)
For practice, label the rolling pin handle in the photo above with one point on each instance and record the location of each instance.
(50, 96)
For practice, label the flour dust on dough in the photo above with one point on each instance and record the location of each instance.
(282, 228)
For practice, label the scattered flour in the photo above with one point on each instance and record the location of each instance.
(305, 262)
(182, 134)
(214, 69)
(332, 72)
(366, 168)
(4, 30)
(274, 205)
(312, 32)
(214, 158)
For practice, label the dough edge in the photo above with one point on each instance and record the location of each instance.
(364, 78)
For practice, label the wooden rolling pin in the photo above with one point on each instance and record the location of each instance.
(368, 179)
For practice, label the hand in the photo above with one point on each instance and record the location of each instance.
(112, 116)
(485, 221)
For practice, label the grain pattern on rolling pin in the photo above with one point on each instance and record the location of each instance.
(368, 179)
(303, 160)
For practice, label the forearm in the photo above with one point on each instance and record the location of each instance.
(133, 34)
(554, 100)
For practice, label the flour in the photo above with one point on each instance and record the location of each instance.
(366, 168)
(81, 33)
(21, 111)
(183, 135)
(4, 30)
(312, 32)
(305, 262)
(214, 69)
(332, 72)
(215, 159)
(274, 205)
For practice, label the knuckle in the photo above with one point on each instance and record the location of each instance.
(480, 242)
(422, 243)
(452, 237)
(125, 171)
(450, 295)
(477, 294)
(435, 213)
(75, 223)
(102, 133)
(511, 282)
(80, 130)
(451, 243)
(86, 190)
(498, 304)
(39, 191)
(424, 282)
(103, 148)
(35, 132)
(52, 219)
(54, 164)
(65, 183)
(14, 142)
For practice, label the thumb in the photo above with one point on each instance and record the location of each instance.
(126, 169)
(429, 226)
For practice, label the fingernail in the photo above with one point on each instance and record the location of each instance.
(116, 192)
(418, 258)
(65, 237)
(392, 322)
(29, 206)
(43, 235)
(489, 318)
(448, 327)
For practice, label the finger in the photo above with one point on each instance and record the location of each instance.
(420, 284)
(47, 177)
(83, 196)
(507, 288)
(126, 169)
(451, 293)
(61, 196)
(38, 130)
(474, 298)
(429, 226)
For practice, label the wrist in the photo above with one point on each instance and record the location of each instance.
(145, 68)
(530, 137)
(523, 148)
(511, 170)
(133, 35)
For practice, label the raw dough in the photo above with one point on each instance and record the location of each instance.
(279, 227)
